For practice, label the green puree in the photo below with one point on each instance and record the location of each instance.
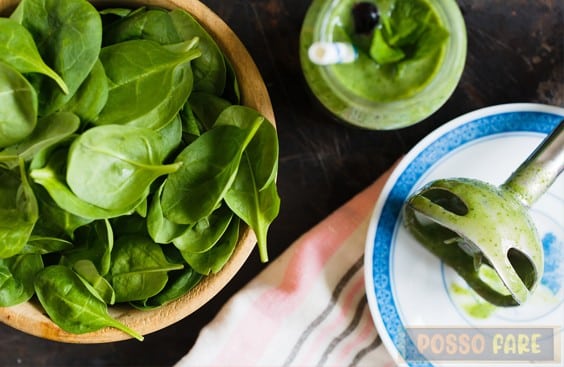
(399, 57)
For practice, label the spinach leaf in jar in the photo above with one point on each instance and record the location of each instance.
(112, 166)
(18, 49)
(18, 106)
(68, 35)
(71, 305)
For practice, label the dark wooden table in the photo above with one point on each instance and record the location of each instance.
(515, 54)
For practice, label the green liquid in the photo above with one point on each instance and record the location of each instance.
(422, 40)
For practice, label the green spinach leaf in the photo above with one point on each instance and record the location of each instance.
(263, 148)
(151, 80)
(71, 305)
(18, 212)
(139, 268)
(16, 278)
(160, 228)
(209, 69)
(215, 258)
(95, 243)
(207, 107)
(112, 166)
(258, 208)
(91, 96)
(42, 245)
(100, 286)
(52, 178)
(68, 35)
(17, 49)
(18, 106)
(205, 233)
(197, 188)
(49, 131)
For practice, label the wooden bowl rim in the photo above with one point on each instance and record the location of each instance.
(30, 318)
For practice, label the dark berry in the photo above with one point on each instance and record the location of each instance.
(365, 16)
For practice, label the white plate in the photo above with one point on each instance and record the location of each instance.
(407, 287)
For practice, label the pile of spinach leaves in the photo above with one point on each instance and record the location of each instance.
(128, 167)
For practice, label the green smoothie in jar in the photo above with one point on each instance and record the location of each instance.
(405, 58)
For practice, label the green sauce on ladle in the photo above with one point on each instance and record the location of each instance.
(468, 223)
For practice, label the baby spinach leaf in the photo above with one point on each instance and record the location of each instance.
(191, 126)
(149, 24)
(179, 283)
(95, 243)
(209, 69)
(56, 217)
(171, 137)
(207, 107)
(205, 233)
(112, 166)
(139, 268)
(215, 258)
(18, 212)
(16, 278)
(258, 208)
(68, 35)
(160, 228)
(100, 286)
(18, 106)
(151, 80)
(70, 304)
(49, 131)
(45, 245)
(17, 49)
(91, 96)
(52, 178)
(198, 187)
(169, 27)
(263, 148)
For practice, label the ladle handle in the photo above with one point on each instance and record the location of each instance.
(537, 173)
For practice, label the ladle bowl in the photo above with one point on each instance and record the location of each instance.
(468, 223)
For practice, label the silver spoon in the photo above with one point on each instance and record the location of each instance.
(468, 223)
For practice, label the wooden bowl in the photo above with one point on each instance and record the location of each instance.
(29, 317)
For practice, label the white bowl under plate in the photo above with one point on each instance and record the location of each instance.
(408, 288)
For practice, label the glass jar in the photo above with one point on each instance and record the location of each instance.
(364, 93)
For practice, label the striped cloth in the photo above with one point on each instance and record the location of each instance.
(307, 308)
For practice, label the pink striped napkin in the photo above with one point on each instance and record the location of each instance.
(307, 308)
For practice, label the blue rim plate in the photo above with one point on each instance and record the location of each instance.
(408, 288)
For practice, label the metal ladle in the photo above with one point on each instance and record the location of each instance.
(468, 223)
